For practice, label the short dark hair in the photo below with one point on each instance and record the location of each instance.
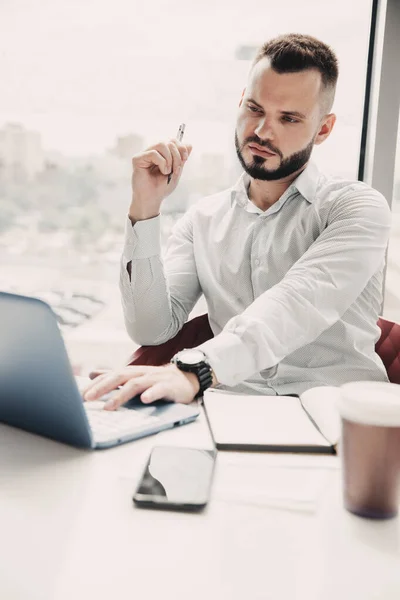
(294, 52)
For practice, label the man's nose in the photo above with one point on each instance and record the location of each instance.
(264, 129)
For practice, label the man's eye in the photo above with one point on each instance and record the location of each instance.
(289, 119)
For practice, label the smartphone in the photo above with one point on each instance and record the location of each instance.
(176, 478)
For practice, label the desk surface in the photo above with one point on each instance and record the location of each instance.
(274, 529)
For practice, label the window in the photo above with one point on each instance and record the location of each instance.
(392, 284)
(86, 84)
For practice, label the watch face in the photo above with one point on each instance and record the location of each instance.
(191, 357)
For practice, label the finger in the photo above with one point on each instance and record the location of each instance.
(176, 174)
(184, 150)
(151, 158)
(165, 151)
(132, 388)
(90, 385)
(97, 372)
(101, 386)
(110, 381)
(176, 157)
(158, 391)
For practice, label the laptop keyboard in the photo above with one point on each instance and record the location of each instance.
(113, 424)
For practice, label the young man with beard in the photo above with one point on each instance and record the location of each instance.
(290, 261)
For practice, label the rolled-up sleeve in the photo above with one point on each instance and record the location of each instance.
(157, 292)
(313, 295)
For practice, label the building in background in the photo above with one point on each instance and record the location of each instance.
(128, 145)
(21, 152)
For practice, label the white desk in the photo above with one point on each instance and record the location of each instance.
(69, 530)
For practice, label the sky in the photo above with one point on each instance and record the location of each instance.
(83, 72)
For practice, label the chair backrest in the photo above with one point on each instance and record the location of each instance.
(388, 348)
(193, 333)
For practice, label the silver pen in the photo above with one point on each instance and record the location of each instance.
(179, 137)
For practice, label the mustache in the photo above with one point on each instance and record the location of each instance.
(264, 143)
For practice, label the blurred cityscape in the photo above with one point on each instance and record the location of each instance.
(75, 207)
(62, 226)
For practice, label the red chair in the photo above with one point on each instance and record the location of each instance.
(193, 333)
(388, 348)
(198, 330)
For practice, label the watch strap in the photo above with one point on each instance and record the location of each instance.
(204, 375)
(202, 370)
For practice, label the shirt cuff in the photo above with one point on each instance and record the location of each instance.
(229, 358)
(142, 240)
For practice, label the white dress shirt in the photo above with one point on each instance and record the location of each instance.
(293, 293)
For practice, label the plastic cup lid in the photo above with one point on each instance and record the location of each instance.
(370, 403)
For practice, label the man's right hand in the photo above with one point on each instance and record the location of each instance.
(150, 177)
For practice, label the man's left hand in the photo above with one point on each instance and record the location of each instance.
(151, 383)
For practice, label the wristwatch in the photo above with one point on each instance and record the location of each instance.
(195, 361)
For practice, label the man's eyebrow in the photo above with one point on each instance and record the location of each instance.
(293, 113)
(253, 102)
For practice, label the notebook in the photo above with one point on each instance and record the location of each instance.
(309, 423)
(38, 391)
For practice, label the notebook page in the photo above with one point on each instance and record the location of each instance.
(320, 403)
(260, 420)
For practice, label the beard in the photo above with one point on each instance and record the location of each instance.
(287, 167)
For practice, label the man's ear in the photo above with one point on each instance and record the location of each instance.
(325, 128)
(241, 99)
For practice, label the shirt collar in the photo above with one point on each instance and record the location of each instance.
(306, 184)
(239, 193)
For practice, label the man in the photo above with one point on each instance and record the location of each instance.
(290, 261)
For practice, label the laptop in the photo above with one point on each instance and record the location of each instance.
(39, 393)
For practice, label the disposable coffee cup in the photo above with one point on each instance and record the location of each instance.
(370, 448)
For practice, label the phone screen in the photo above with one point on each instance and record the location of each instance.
(176, 477)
